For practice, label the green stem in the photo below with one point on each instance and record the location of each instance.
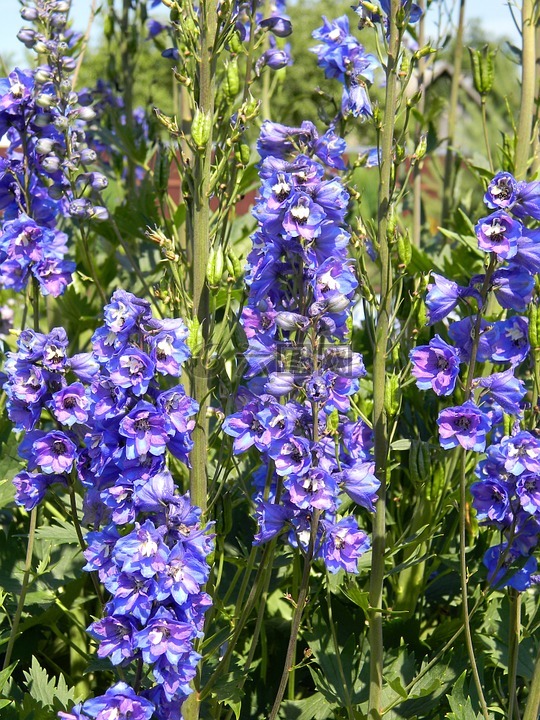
(417, 172)
(201, 245)
(379, 374)
(532, 708)
(452, 116)
(297, 616)
(486, 136)
(528, 74)
(513, 652)
(24, 587)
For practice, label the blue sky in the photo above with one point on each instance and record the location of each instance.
(494, 14)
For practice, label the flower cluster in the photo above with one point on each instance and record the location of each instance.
(301, 371)
(276, 25)
(44, 175)
(369, 16)
(112, 427)
(341, 56)
(506, 494)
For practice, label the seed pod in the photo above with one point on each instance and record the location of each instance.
(242, 153)
(161, 171)
(421, 148)
(413, 463)
(201, 127)
(424, 461)
(534, 324)
(392, 395)
(215, 267)
(483, 67)
(235, 44)
(231, 83)
(195, 337)
(404, 248)
(232, 263)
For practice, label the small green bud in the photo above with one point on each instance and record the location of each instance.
(392, 395)
(391, 226)
(231, 81)
(483, 67)
(215, 267)
(423, 51)
(404, 248)
(201, 128)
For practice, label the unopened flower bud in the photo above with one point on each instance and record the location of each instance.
(44, 146)
(98, 213)
(29, 14)
(279, 383)
(98, 181)
(291, 321)
(88, 156)
(45, 101)
(337, 303)
(51, 164)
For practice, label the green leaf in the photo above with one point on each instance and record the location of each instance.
(315, 707)
(58, 533)
(460, 704)
(6, 674)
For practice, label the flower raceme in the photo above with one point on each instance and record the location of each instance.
(295, 409)
(507, 492)
(112, 428)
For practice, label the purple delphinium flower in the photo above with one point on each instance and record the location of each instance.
(116, 638)
(443, 297)
(464, 425)
(145, 430)
(119, 702)
(54, 452)
(499, 233)
(436, 366)
(499, 560)
(343, 545)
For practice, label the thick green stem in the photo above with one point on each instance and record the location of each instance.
(486, 136)
(448, 181)
(380, 429)
(532, 709)
(528, 75)
(201, 247)
(200, 226)
(513, 652)
(417, 172)
(297, 616)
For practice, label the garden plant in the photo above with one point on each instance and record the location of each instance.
(270, 337)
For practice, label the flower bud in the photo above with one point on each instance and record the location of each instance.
(534, 325)
(279, 383)
(88, 155)
(44, 146)
(51, 164)
(98, 181)
(42, 76)
(291, 321)
(29, 14)
(338, 303)
(84, 113)
(98, 213)
(45, 101)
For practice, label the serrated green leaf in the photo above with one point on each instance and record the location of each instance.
(315, 707)
(6, 674)
(461, 706)
(58, 533)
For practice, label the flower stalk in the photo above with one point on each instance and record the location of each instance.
(380, 429)
(528, 76)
